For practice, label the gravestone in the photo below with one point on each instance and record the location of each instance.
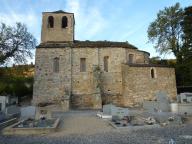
(28, 112)
(13, 110)
(162, 104)
(3, 100)
(107, 109)
(163, 101)
(150, 105)
(119, 111)
(111, 109)
(2, 116)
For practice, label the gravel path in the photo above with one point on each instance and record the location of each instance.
(85, 128)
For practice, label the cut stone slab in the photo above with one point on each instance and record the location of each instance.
(2, 116)
(111, 109)
(12, 110)
(107, 109)
(104, 116)
(150, 105)
(13, 130)
(181, 108)
(162, 103)
(162, 96)
(28, 112)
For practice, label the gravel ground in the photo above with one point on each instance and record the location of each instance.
(84, 128)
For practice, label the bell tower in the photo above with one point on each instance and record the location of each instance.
(57, 26)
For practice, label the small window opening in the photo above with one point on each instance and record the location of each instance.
(152, 73)
(131, 58)
(56, 65)
(106, 63)
(50, 22)
(83, 65)
(64, 22)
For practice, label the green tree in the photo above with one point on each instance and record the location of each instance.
(166, 32)
(184, 69)
(155, 60)
(15, 43)
(187, 34)
(172, 32)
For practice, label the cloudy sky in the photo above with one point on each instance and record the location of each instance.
(114, 20)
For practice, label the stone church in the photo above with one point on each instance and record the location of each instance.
(88, 74)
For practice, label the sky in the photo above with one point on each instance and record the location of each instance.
(113, 20)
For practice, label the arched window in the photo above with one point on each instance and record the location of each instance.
(82, 64)
(64, 22)
(56, 64)
(131, 58)
(106, 61)
(50, 22)
(152, 73)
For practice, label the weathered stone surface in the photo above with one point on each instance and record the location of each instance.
(57, 33)
(28, 112)
(139, 86)
(121, 85)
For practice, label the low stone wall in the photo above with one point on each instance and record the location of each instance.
(30, 131)
(8, 123)
(138, 85)
(47, 111)
(133, 128)
(182, 108)
(49, 85)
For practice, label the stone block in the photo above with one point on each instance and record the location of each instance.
(28, 112)
(13, 110)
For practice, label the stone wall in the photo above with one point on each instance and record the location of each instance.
(48, 85)
(138, 84)
(140, 57)
(83, 86)
(121, 85)
(57, 33)
(84, 92)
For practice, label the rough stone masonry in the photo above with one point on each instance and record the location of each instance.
(88, 74)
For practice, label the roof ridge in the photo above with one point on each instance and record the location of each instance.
(59, 11)
(87, 43)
